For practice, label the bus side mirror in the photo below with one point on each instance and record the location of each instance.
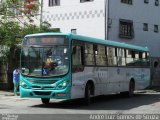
(74, 50)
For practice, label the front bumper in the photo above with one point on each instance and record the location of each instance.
(55, 94)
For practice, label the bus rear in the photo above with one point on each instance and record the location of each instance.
(45, 67)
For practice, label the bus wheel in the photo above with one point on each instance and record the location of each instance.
(131, 89)
(88, 94)
(45, 100)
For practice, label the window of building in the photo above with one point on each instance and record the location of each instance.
(74, 31)
(126, 29)
(146, 1)
(145, 26)
(54, 3)
(156, 2)
(127, 1)
(155, 28)
(85, 1)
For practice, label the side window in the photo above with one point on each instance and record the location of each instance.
(77, 53)
(121, 57)
(100, 55)
(137, 55)
(129, 57)
(111, 55)
(144, 59)
(76, 56)
(89, 54)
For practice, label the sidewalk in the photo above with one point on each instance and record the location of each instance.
(6, 93)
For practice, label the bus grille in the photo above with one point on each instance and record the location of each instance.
(42, 93)
(43, 81)
(44, 87)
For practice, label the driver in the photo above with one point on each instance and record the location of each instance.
(50, 64)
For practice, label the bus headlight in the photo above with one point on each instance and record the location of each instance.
(62, 85)
(23, 84)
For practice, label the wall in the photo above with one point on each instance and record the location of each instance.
(87, 18)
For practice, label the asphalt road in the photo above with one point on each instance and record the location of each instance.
(28, 108)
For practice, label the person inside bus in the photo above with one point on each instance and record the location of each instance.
(50, 64)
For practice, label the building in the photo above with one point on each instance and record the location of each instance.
(129, 21)
(136, 22)
(85, 17)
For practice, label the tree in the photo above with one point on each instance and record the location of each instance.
(18, 9)
(9, 30)
(12, 34)
(13, 29)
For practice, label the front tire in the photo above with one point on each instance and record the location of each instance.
(45, 100)
(131, 89)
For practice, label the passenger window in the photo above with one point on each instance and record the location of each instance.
(76, 55)
(121, 57)
(129, 57)
(101, 58)
(111, 55)
(89, 54)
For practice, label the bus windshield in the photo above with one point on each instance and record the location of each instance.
(45, 59)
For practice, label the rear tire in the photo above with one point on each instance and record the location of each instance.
(45, 100)
(87, 94)
(130, 92)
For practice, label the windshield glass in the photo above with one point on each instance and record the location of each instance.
(45, 59)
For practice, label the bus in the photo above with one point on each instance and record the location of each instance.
(68, 66)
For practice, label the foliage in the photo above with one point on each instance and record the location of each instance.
(9, 31)
(12, 33)
(13, 28)
(19, 8)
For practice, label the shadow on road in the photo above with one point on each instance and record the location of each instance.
(108, 102)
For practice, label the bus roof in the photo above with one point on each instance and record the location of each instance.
(111, 43)
(94, 40)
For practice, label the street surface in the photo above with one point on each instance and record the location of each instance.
(142, 103)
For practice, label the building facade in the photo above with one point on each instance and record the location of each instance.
(85, 17)
(135, 22)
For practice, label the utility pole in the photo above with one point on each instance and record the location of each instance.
(106, 8)
(41, 14)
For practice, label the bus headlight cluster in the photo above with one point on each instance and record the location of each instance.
(62, 85)
(23, 84)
